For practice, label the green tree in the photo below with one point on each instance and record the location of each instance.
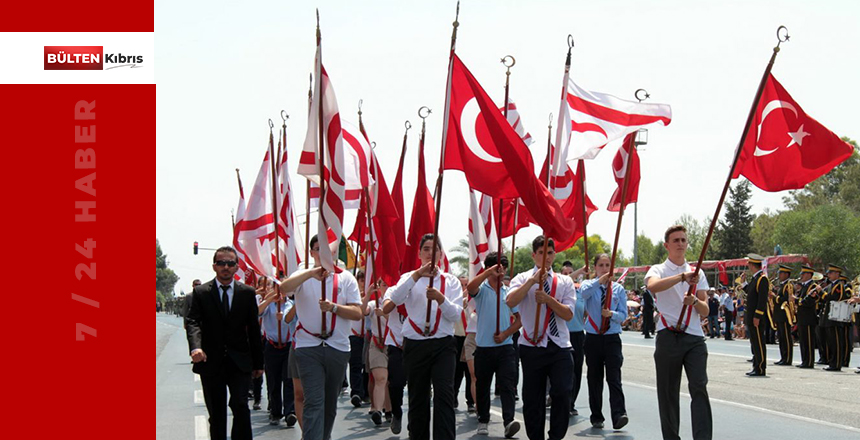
(696, 233)
(733, 231)
(840, 186)
(165, 278)
(827, 234)
(159, 297)
(762, 232)
(649, 252)
(458, 256)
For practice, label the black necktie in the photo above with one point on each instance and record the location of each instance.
(224, 300)
(553, 327)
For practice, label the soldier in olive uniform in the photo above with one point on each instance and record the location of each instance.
(834, 330)
(782, 316)
(755, 318)
(807, 320)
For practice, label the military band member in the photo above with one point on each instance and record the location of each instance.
(757, 291)
(846, 326)
(834, 330)
(807, 321)
(782, 316)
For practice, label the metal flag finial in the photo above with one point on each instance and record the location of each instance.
(570, 41)
(408, 125)
(360, 103)
(424, 112)
(782, 37)
(271, 124)
(644, 92)
(284, 116)
(550, 120)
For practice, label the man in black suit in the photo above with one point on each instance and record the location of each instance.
(225, 346)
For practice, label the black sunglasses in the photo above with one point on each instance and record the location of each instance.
(228, 263)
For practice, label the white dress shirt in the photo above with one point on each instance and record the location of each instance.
(413, 295)
(307, 298)
(565, 293)
(395, 323)
(670, 301)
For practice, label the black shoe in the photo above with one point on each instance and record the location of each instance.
(832, 369)
(471, 408)
(756, 374)
(821, 362)
(779, 363)
(749, 360)
(291, 420)
(274, 421)
(648, 337)
(356, 401)
(256, 405)
(620, 422)
(804, 366)
(574, 412)
(376, 416)
(857, 371)
(730, 339)
(388, 416)
(395, 425)
(597, 425)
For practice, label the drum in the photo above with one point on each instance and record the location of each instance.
(840, 311)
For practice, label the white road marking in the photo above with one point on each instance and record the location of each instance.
(201, 428)
(198, 397)
(760, 409)
(196, 378)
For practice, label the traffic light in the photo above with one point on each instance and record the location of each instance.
(195, 248)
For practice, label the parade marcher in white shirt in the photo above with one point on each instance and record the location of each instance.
(430, 358)
(377, 354)
(684, 347)
(545, 355)
(322, 362)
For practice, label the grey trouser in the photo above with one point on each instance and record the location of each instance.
(672, 352)
(322, 370)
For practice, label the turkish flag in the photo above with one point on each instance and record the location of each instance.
(569, 189)
(785, 148)
(481, 143)
(423, 217)
(513, 219)
(625, 156)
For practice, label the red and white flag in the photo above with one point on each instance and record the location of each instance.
(289, 238)
(480, 230)
(256, 231)
(517, 122)
(422, 221)
(356, 162)
(569, 189)
(244, 270)
(331, 152)
(482, 144)
(626, 156)
(785, 148)
(587, 121)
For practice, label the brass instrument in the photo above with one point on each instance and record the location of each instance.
(790, 307)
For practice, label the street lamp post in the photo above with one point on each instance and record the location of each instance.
(641, 139)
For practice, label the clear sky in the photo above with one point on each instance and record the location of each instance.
(225, 68)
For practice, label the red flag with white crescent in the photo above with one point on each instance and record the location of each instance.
(626, 156)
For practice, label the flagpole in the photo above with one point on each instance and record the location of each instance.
(580, 170)
(604, 326)
(274, 195)
(438, 191)
(321, 158)
(535, 337)
(308, 186)
(513, 234)
(284, 117)
(781, 38)
(408, 125)
(501, 206)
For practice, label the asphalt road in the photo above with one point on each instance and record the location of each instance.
(790, 403)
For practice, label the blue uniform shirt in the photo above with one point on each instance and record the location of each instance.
(590, 293)
(577, 323)
(270, 321)
(485, 305)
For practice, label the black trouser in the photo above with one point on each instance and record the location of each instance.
(215, 388)
(539, 364)
(501, 361)
(757, 344)
(847, 328)
(821, 339)
(836, 340)
(279, 387)
(516, 340)
(462, 370)
(786, 343)
(604, 352)
(356, 366)
(674, 351)
(430, 361)
(647, 321)
(806, 334)
(714, 325)
(396, 380)
(577, 340)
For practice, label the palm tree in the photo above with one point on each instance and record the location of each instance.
(459, 257)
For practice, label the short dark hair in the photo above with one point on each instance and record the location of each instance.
(673, 229)
(537, 243)
(426, 237)
(314, 241)
(758, 265)
(567, 263)
(492, 259)
(359, 274)
(197, 280)
(224, 249)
